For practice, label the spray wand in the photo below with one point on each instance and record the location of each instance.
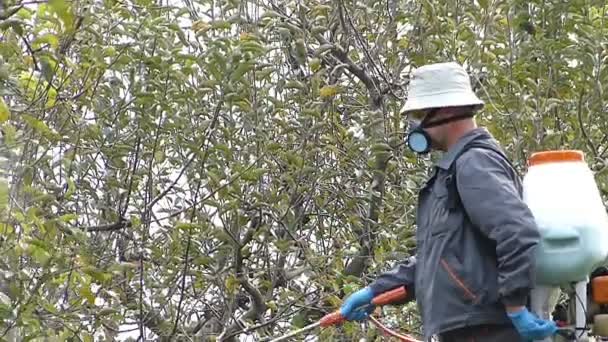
(336, 318)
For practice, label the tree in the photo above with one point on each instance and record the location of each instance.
(221, 169)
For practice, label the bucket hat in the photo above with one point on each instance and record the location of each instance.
(440, 85)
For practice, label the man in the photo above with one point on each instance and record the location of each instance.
(476, 238)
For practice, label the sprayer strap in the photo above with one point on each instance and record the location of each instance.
(455, 201)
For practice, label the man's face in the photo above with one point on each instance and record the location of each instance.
(439, 133)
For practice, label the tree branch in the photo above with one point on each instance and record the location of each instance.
(366, 238)
(258, 306)
(356, 70)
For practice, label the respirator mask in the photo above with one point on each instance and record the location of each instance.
(418, 140)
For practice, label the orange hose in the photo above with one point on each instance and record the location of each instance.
(390, 332)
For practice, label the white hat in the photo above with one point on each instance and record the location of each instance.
(440, 85)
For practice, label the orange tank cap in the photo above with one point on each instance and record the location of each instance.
(556, 156)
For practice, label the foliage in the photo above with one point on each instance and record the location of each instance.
(234, 168)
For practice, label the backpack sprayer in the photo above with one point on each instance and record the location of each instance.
(561, 192)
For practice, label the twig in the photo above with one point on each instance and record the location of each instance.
(146, 217)
(67, 284)
(183, 285)
(109, 227)
(206, 139)
(278, 316)
(360, 40)
(187, 253)
(604, 139)
(579, 115)
(211, 194)
(123, 211)
(31, 51)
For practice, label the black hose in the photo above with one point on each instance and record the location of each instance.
(583, 305)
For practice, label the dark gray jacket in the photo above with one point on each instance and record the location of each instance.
(475, 240)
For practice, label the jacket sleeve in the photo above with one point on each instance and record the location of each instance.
(403, 274)
(490, 193)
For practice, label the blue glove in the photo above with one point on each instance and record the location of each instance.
(351, 308)
(531, 327)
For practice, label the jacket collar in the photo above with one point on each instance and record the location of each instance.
(448, 158)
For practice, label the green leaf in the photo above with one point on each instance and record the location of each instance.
(186, 226)
(253, 46)
(232, 284)
(318, 29)
(68, 217)
(254, 174)
(6, 229)
(221, 25)
(24, 13)
(5, 114)
(300, 51)
(329, 91)
(200, 26)
(47, 38)
(203, 260)
(63, 11)
(274, 147)
(40, 127)
(6, 310)
(86, 337)
(107, 312)
(292, 84)
(86, 293)
(40, 255)
(240, 71)
(15, 24)
(299, 321)
(271, 14)
(71, 188)
(50, 308)
(4, 195)
(48, 71)
(97, 274)
(159, 155)
(294, 159)
(315, 64)
(323, 48)
(282, 245)
(4, 72)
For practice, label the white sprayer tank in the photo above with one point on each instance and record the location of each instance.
(562, 194)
